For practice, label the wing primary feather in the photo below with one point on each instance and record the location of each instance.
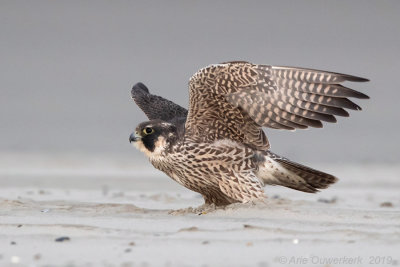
(340, 102)
(307, 113)
(287, 116)
(311, 106)
(335, 90)
(314, 76)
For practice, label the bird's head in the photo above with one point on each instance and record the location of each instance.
(154, 137)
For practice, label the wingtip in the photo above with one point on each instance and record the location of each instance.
(364, 79)
(330, 119)
(344, 114)
(354, 106)
(138, 89)
(318, 124)
(360, 95)
(351, 78)
(140, 86)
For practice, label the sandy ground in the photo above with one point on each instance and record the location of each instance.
(115, 213)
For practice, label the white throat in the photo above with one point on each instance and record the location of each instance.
(160, 146)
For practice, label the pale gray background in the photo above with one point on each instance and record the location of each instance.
(66, 68)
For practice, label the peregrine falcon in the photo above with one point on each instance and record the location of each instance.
(218, 147)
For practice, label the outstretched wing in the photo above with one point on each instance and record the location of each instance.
(156, 107)
(235, 99)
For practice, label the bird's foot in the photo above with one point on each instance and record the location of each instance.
(205, 208)
(200, 210)
(181, 211)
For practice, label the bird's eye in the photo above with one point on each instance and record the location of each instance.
(148, 130)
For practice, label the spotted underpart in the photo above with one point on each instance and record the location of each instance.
(222, 171)
(218, 147)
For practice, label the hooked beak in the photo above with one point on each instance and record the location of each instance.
(134, 137)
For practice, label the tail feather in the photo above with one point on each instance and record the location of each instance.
(276, 170)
